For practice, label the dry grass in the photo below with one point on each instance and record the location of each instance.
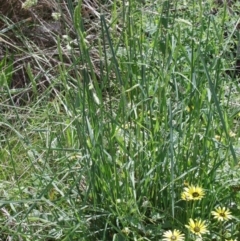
(32, 38)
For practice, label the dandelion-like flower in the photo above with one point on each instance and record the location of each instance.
(198, 227)
(185, 196)
(192, 193)
(222, 214)
(174, 235)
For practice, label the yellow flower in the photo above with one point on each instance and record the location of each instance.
(185, 196)
(230, 239)
(192, 193)
(198, 227)
(176, 235)
(222, 214)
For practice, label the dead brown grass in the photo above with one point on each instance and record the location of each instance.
(32, 36)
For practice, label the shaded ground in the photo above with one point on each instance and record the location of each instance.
(31, 38)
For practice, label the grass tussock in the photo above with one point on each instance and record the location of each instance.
(119, 120)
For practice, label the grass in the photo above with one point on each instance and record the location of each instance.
(129, 119)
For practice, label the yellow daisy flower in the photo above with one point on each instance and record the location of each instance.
(222, 214)
(174, 235)
(192, 193)
(198, 227)
(185, 196)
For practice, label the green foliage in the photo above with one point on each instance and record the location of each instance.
(109, 157)
(6, 66)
